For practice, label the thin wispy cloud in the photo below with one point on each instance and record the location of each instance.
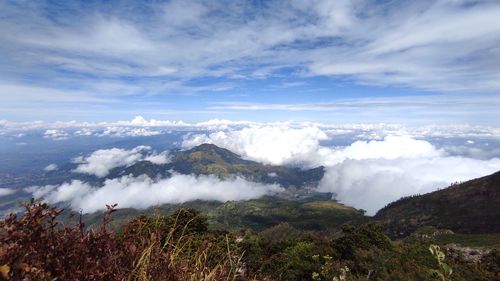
(410, 109)
(112, 57)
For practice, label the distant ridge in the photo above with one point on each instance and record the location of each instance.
(469, 207)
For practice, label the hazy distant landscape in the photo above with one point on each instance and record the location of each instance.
(250, 140)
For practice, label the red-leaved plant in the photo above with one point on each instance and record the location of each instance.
(38, 246)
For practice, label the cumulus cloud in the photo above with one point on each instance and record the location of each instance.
(143, 192)
(141, 121)
(50, 168)
(391, 147)
(6, 191)
(372, 183)
(84, 132)
(116, 131)
(279, 145)
(100, 162)
(268, 144)
(160, 158)
(56, 134)
(364, 174)
(59, 130)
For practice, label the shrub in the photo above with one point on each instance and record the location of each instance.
(36, 246)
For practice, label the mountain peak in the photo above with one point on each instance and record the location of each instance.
(208, 147)
(212, 151)
(209, 159)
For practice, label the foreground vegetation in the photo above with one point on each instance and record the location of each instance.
(181, 246)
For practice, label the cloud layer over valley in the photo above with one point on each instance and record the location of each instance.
(364, 174)
(367, 165)
(143, 192)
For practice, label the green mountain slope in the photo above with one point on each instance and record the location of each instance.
(209, 159)
(256, 214)
(469, 207)
(300, 205)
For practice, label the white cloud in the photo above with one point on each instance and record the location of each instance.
(398, 43)
(143, 127)
(143, 192)
(411, 109)
(366, 174)
(84, 132)
(473, 151)
(161, 158)
(116, 131)
(382, 163)
(437, 45)
(285, 145)
(268, 144)
(100, 162)
(138, 126)
(222, 124)
(56, 134)
(391, 147)
(411, 45)
(17, 94)
(370, 184)
(6, 191)
(141, 121)
(50, 168)
(60, 193)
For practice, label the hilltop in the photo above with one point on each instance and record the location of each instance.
(469, 207)
(209, 159)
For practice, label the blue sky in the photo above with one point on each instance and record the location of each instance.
(329, 61)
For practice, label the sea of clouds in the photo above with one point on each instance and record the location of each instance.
(141, 192)
(379, 163)
(364, 174)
